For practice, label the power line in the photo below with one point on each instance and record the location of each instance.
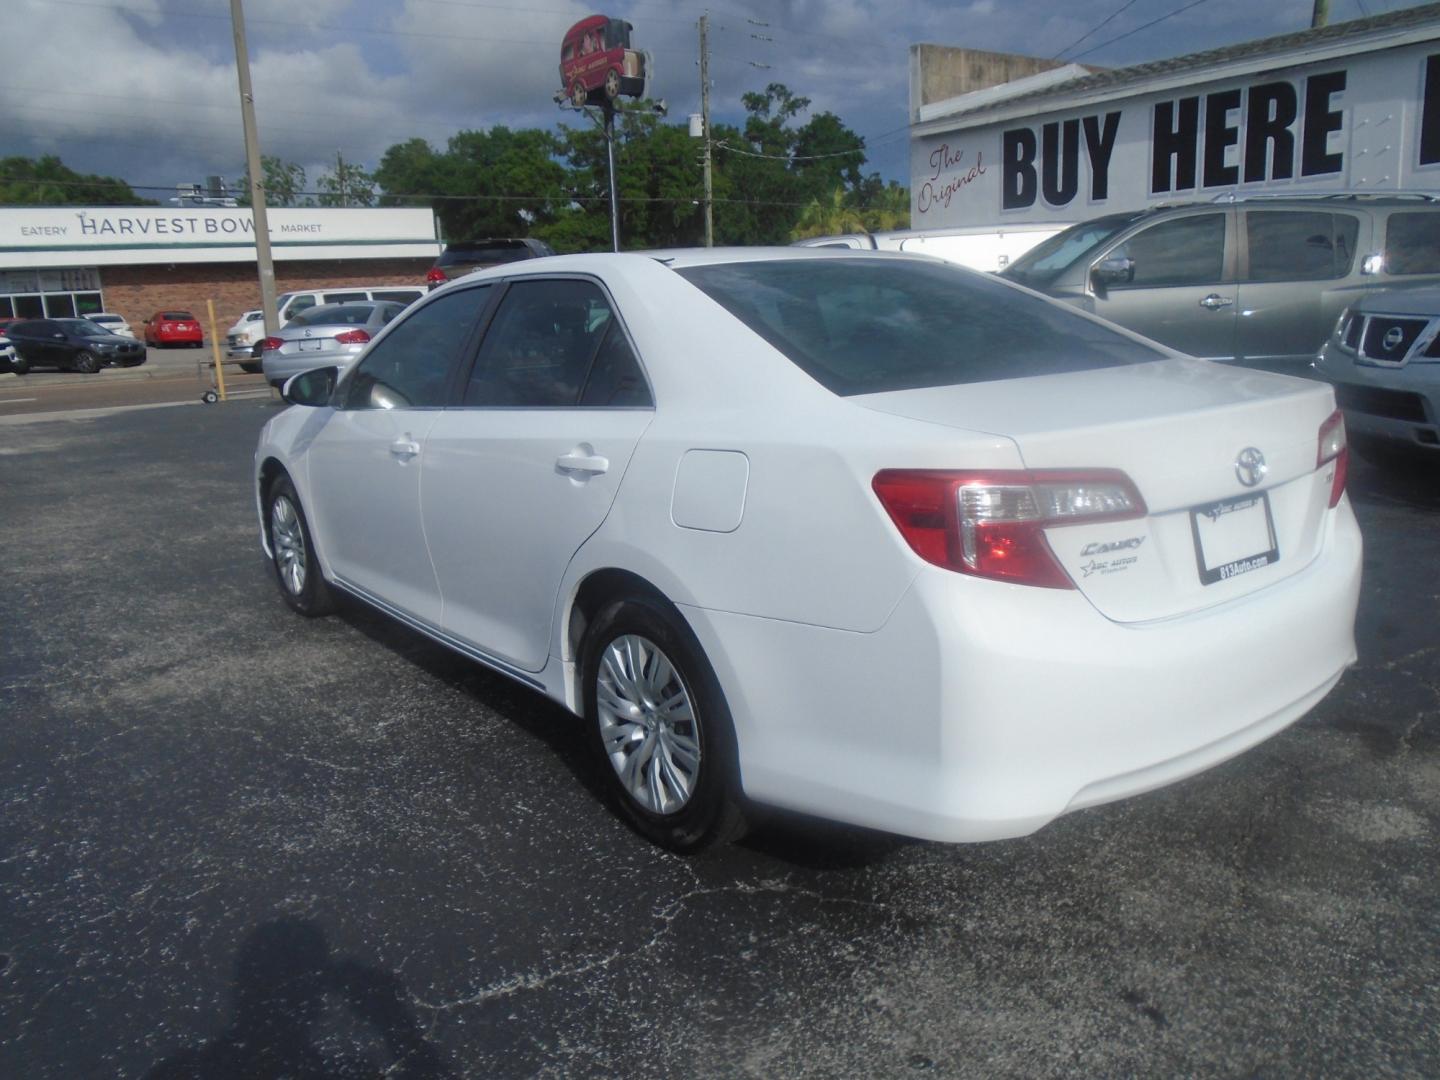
(1097, 27)
(1142, 26)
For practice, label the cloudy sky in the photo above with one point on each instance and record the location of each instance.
(146, 89)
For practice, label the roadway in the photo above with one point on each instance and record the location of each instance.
(168, 376)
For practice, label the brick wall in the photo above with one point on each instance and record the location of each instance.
(137, 292)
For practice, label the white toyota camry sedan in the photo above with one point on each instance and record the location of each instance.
(866, 536)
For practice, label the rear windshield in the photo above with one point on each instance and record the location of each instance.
(499, 252)
(867, 325)
(177, 315)
(1047, 260)
(334, 315)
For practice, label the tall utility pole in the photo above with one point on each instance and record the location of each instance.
(705, 122)
(257, 178)
(1320, 13)
(340, 177)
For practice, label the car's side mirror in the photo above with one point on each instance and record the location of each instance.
(1116, 270)
(313, 388)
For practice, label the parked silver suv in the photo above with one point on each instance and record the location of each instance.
(1259, 281)
(1384, 360)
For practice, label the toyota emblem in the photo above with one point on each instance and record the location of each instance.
(1250, 466)
(1392, 338)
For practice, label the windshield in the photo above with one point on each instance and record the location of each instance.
(1046, 261)
(864, 325)
(82, 328)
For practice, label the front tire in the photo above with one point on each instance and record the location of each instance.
(660, 727)
(86, 362)
(292, 552)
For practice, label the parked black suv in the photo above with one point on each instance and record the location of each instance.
(461, 258)
(76, 344)
(1259, 280)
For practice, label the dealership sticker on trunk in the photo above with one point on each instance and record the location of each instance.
(1233, 537)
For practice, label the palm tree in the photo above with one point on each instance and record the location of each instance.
(829, 217)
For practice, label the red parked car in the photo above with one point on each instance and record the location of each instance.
(597, 63)
(173, 328)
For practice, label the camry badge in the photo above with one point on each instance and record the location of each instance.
(1250, 466)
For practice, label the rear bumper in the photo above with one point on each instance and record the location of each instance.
(982, 711)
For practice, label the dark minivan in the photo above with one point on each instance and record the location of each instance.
(461, 258)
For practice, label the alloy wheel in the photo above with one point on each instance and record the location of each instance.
(647, 724)
(287, 539)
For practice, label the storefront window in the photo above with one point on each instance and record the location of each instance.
(58, 294)
(28, 307)
(60, 306)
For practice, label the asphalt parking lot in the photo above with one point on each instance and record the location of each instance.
(234, 843)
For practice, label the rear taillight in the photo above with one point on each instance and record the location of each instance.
(992, 524)
(436, 276)
(1333, 447)
(271, 344)
(352, 337)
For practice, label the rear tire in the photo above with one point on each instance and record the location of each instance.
(292, 552)
(659, 727)
(19, 365)
(250, 369)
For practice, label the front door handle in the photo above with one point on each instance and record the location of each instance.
(589, 464)
(1215, 301)
(405, 447)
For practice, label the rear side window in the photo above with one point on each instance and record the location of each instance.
(543, 345)
(412, 367)
(1181, 251)
(1412, 243)
(867, 325)
(344, 297)
(1299, 245)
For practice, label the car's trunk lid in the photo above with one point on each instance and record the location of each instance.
(1178, 428)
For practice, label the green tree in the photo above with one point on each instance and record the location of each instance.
(46, 181)
(347, 185)
(283, 181)
(657, 178)
(485, 183)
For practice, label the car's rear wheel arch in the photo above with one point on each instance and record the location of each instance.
(599, 589)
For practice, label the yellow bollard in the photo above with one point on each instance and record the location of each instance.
(215, 350)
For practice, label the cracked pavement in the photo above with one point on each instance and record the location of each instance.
(238, 843)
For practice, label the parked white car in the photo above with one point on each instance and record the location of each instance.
(113, 322)
(241, 339)
(862, 535)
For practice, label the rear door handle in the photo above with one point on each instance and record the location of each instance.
(404, 447)
(1215, 300)
(590, 464)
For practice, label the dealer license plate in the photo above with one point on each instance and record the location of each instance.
(1233, 537)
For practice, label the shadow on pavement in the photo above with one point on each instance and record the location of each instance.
(285, 983)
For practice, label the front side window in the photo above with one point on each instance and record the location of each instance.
(412, 367)
(543, 347)
(1299, 245)
(1412, 243)
(1182, 251)
(867, 325)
